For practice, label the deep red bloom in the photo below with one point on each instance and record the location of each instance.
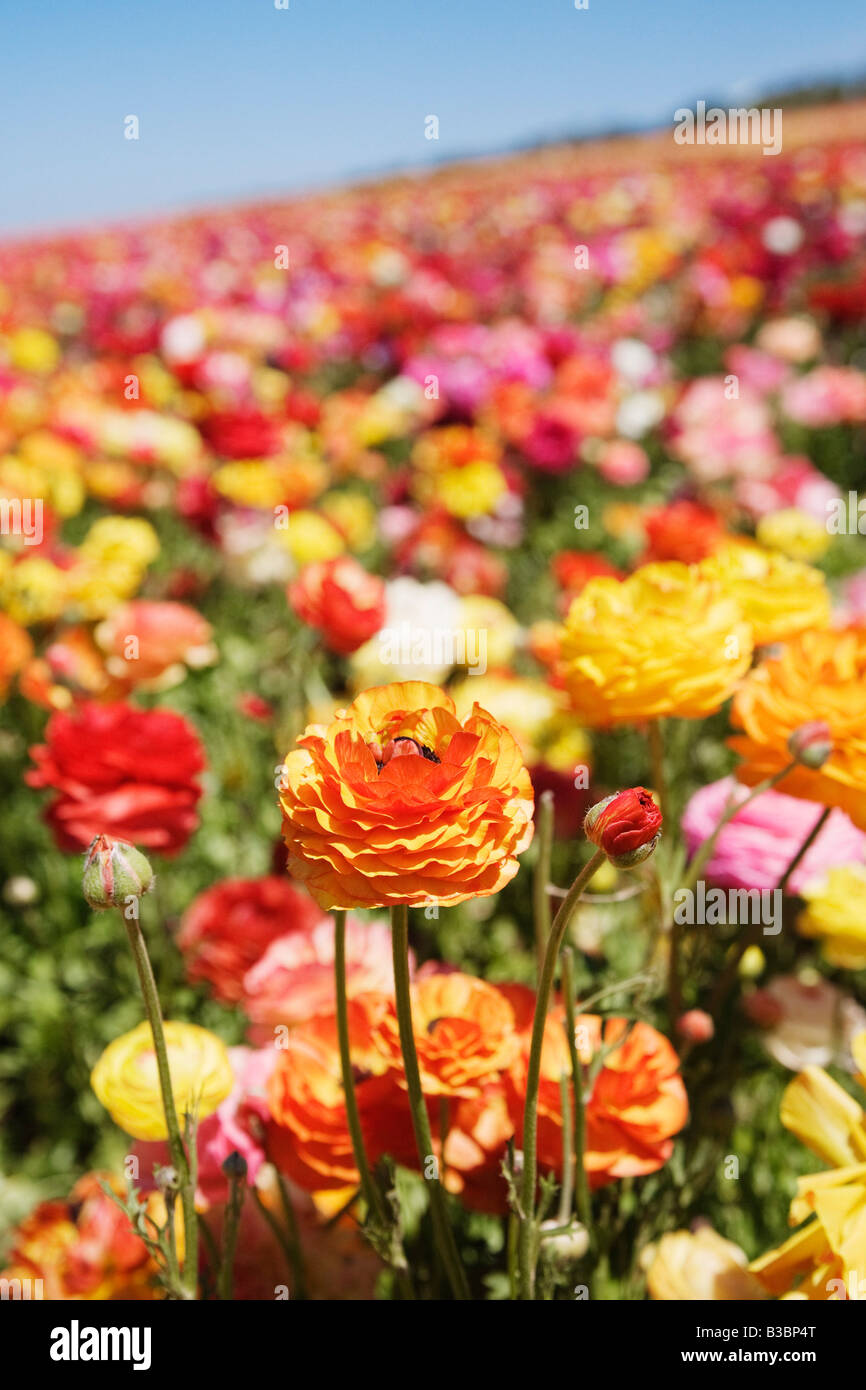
(241, 434)
(120, 771)
(625, 825)
(227, 928)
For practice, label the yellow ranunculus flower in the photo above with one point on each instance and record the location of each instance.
(835, 914)
(524, 705)
(778, 596)
(33, 591)
(354, 515)
(699, 1265)
(33, 350)
(824, 1258)
(249, 483)
(797, 534)
(472, 490)
(126, 1079)
(120, 539)
(311, 536)
(666, 641)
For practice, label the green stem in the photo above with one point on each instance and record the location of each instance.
(231, 1228)
(175, 1142)
(657, 762)
(541, 879)
(527, 1239)
(443, 1234)
(566, 1193)
(584, 1206)
(369, 1190)
(294, 1237)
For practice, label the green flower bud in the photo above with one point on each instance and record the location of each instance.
(114, 872)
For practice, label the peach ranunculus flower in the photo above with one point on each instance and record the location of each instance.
(126, 1079)
(825, 1258)
(149, 644)
(666, 641)
(700, 1265)
(778, 596)
(294, 978)
(396, 801)
(817, 676)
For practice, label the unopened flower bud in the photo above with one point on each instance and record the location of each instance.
(695, 1026)
(235, 1166)
(566, 1247)
(627, 826)
(113, 872)
(811, 744)
(167, 1180)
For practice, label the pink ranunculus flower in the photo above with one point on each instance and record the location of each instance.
(796, 482)
(623, 462)
(233, 1127)
(826, 396)
(720, 436)
(756, 847)
(294, 980)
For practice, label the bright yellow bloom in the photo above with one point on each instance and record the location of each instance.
(797, 534)
(126, 1079)
(778, 596)
(33, 350)
(828, 1254)
(310, 536)
(835, 914)
(125, 539)
(33, 591)
(473, 490)
(666, 641)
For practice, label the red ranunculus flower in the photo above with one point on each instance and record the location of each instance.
(682, 530)
(341, 600)
(228, 928)
(626, 826)
(120, 771)
(241, 434)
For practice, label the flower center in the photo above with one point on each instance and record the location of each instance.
(400, 747)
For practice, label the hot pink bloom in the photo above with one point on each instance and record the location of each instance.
(755, 848)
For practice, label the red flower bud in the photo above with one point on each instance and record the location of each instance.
(626, 826)
(811, 744)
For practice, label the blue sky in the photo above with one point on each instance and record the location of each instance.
(238, 99)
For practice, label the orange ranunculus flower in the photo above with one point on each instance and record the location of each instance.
(666, 641)
(464, 1033)
(15, 649)
(396, 801)
(84, 1248)
(479, 1128)
(308, 1138)
(818, 675)
(637, 1104)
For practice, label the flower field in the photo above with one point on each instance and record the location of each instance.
(433, 737)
